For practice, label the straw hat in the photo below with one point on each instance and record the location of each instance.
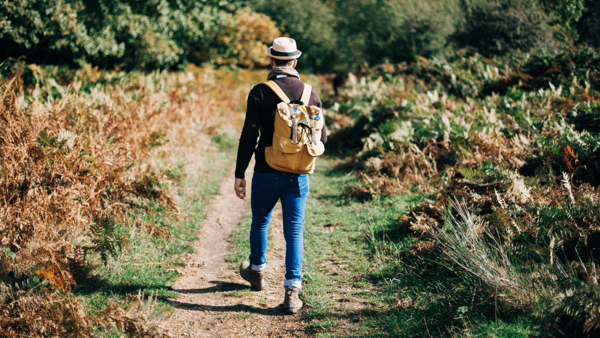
(284, 49)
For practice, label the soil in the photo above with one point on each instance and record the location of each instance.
(214, 300)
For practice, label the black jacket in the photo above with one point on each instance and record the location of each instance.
(260, 115)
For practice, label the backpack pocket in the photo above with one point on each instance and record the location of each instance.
(316, 149)
(287, 146)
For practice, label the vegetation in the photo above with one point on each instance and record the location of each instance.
(334, 35)
(134, 35)
(461, 196)
(504, 156)
(91, 162)
(346, 35)
(497, 28)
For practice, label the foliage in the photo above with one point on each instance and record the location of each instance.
(334, 35)
(128, 34)
(500, 27)
(565, 14)
(311, 23)
(245, 34)
(344, 35)
(80, 187)
(395, 30)
(589, 25)
(508, 151)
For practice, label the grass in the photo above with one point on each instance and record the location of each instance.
(494, 240)
(145, 265)
(365, 259)
(339, 264)
(239, 247)
(356, 282)
(332, 247)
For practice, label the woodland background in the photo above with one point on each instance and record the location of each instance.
(336, 35)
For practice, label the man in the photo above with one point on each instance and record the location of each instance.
(268, 184)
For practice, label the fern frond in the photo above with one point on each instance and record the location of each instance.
(471, 174)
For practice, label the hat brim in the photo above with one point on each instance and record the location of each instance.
(296, 55)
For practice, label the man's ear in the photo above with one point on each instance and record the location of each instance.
(272, 63)
(295, 63)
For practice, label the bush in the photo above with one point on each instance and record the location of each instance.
(504, 26)
(395, 30)
(344, 35)
(590, 26)
(311, 23)
(564, 16)
(130, 34)
(244, 39)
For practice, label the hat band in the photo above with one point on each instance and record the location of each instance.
(276, 53)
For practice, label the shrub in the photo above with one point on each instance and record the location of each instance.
(311, 23)
(504, 26)
(565, 15)
(128, 34)
(590, 25)
(244, 39)
(80, 153)
(396, 30)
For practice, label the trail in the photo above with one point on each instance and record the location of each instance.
(214, 300)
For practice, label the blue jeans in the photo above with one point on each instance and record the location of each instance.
(292, 189)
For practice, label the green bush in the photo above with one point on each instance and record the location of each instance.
(129, 34)
(565, 15)
(504, 26)
(343, 35)
(590, 25)
(311, 23)
(375, 31)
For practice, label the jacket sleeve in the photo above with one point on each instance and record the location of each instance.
(316, 101)
(249, 135)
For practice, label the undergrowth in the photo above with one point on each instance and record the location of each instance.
(507, 153)
(103, 183)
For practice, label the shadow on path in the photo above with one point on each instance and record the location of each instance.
(273, 311)
(218, 287)
(224, 287)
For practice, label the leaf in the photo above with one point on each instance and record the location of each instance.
(471, 174)
(569, 157)
(9, 252)
(59, 278)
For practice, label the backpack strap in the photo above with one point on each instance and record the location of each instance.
(277, 90)
(306, 94)
(306, 100)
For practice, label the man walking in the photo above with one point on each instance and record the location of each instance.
(270, 185)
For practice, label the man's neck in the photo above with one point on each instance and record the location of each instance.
(287, 71)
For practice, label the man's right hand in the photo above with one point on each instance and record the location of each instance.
(240, 188)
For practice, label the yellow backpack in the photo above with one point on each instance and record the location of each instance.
(297, 135)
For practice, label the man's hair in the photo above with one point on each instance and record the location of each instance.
(283, 63)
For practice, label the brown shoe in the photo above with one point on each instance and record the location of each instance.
(255, 278)
(292, 303)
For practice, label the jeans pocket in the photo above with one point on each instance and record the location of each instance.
(303, 185)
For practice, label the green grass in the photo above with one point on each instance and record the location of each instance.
(239, 241)
(358, 281)
(239, 247)
(144, 265)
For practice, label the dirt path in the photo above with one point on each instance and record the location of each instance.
(214, 300)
